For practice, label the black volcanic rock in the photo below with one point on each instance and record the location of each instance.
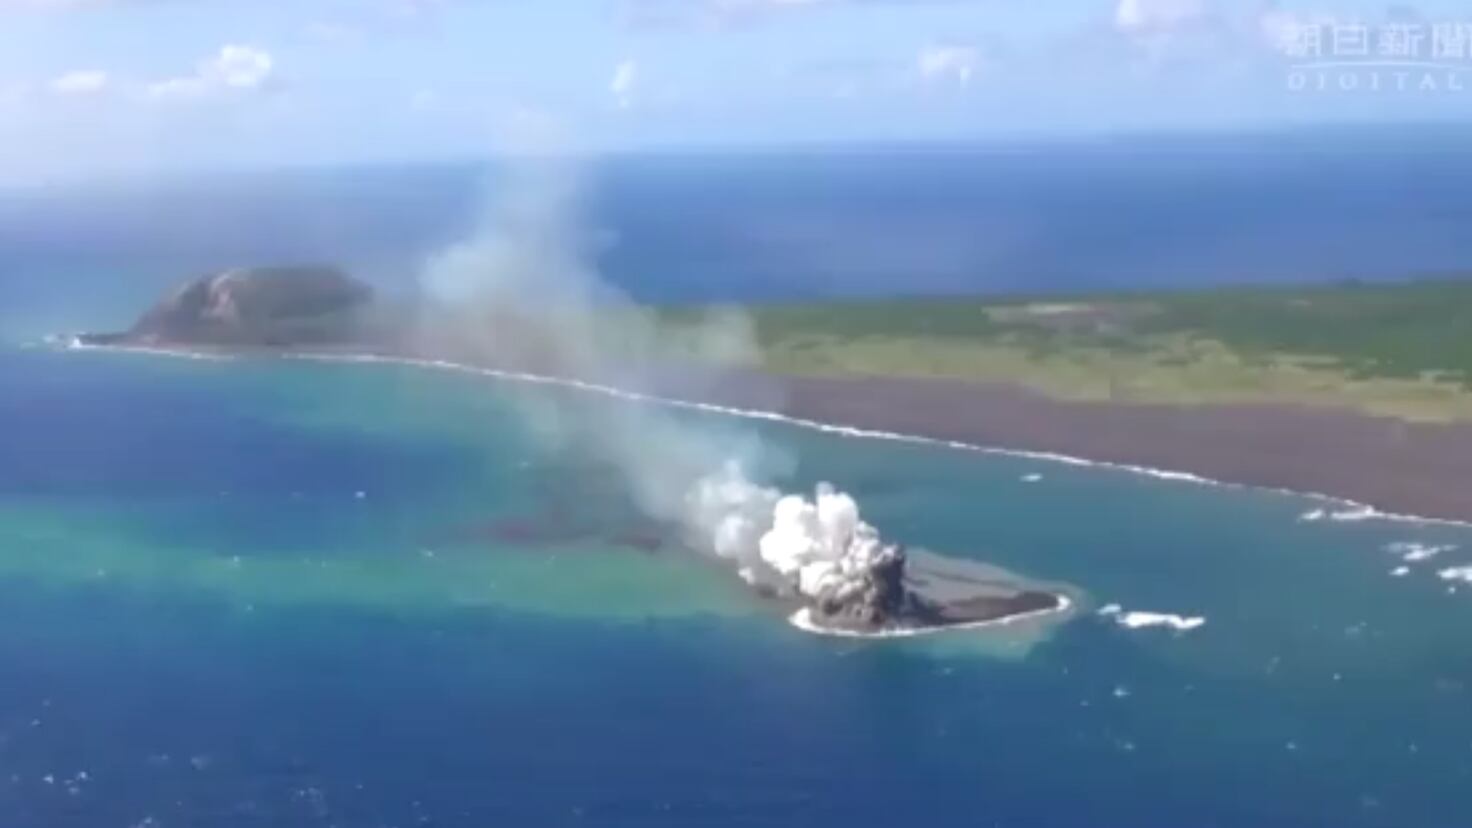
(269, 306)
(880, 599)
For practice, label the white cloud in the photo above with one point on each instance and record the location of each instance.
(1143, 16)
(177, 89)
(958, 64)
(525, 129)
(82, 82)
(625, 79)
(234, 67)
(240, 66)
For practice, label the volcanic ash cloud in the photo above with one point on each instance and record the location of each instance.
(818, 548)
(524, 290)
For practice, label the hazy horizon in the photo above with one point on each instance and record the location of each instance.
(119, 87)
(1160, 212)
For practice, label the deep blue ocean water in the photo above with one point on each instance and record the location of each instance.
(1140, 213)
(273, 593)
(206, 623)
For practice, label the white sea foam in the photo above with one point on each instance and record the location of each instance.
(1031, 478)
(1137, 620)
(1355, 513)
(73, 343)
(65, 342)
(1348, 510)
(1412, 552)
(1400, 571)
(1457, 573)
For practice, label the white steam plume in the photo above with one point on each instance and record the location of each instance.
(820, 548)
(521, 292)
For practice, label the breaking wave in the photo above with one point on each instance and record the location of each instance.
(1457, 573)
(1135, 620)
(1354, 514)
(1411, 552)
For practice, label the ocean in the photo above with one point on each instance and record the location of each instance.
(792, 226)
(275, 592)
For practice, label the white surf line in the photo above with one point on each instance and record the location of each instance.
(1359, 511)
(1456, 573)
(74, 344)
(1136, 619)
(1412, 552)
(803, 620)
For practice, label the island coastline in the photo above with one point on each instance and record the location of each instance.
(313, 313)
(1033, 426)
(802, 619)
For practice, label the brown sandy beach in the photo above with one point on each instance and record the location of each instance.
(1397, 467)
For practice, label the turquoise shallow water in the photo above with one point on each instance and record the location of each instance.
(283, 593)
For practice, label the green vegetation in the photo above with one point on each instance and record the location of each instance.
(1402, 350)
(1404, 331)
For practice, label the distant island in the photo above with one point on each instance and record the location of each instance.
(1357, 391)
(280, 307)
(313, 310)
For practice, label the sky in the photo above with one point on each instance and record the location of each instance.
(105, 87)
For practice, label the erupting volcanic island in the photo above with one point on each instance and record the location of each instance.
(831, 570)
(842, 577)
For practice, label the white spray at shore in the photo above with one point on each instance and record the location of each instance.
(522, 292)
(1136, 619)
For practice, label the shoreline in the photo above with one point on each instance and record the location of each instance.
(853, 400)
(802, 619)
(1354, 466)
